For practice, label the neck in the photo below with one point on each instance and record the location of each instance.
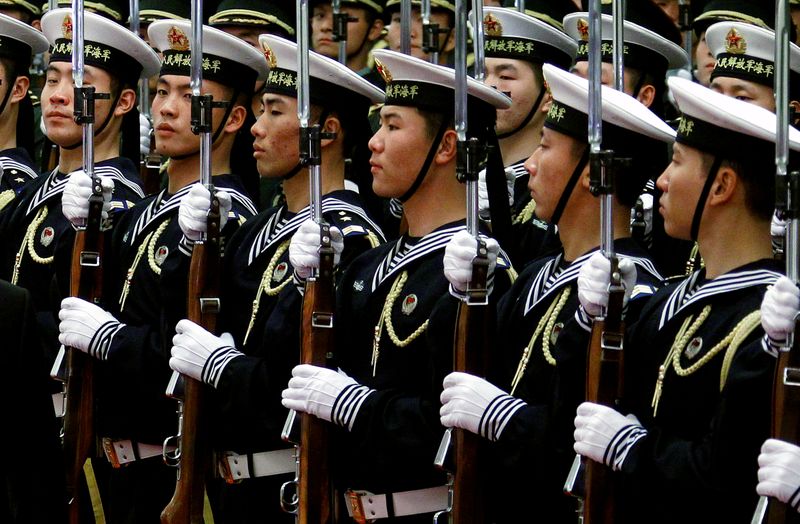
(439, 200)
(580, 230)
(521, 144)
(8, 129)
(185, 171)
(296, 189)
(742, 240)
(70, 160)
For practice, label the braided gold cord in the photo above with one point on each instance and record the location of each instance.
(264, 285)
(151, 245)
(27, 244)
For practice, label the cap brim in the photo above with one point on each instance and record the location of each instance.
(17, 30)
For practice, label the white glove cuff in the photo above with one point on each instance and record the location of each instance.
(772, 345)
(186, 246)
(216, 363)
(583, 319)
(101, 341)
(621, 444)
(497, 414)
(348, 403)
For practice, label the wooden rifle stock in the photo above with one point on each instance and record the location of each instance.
(604, 382)
(186, 506)
(471, 355)
(79, 430)
(314, 489)
(150, 169)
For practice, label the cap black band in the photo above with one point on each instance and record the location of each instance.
(750, 68)
(520, 48)
(636, 56)
(717, 140)
(424, 95)
(323, 93)
(216, 68)
(99, 55)
(567, 120)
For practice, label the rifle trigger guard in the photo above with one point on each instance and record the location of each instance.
(171, 458)
(290, 505)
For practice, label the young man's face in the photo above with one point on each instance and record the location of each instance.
(607, 75)
(277, 136)
(394, 35)
(358, 30)
(398, 150)
(681, 184)
(705, 61)
(744, 90)
(550, 167)
(57, 102)
(515, 77)
(172, 113)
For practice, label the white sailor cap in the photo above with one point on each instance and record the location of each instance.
(722, 125)
(644, 49)
(107, 45)
(511, 34)
(226, 59)
(417, 83)
(568, 113)
(330, 80)
(19, 42)
(747, 52)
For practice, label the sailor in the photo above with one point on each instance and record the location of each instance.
(147, 270)
(261, 307)
(698, 382)
(364, 29)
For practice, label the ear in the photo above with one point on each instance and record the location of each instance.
(127, 101)
(547, 101)
(332, 125)
(794, 104)
(376, 31)
(647, 94)
(724, 187)
(236, 119)
(37, 24)
(447, 148)
(585, 179)
(20, 89)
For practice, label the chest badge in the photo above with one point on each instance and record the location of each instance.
(161, 254)
(409, 304)
(358, 285)
(47, 236)
(280, 271)
(556, 331)
(693, 348)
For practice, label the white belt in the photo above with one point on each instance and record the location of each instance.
(364, 506)
(234, 467)
(122, 452)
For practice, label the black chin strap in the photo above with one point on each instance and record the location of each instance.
(701, 202)
(296, 169)
(8, 95)
(428, 160)
(528, 117)
(103, 125)
(573, 179)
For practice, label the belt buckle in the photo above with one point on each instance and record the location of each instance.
(359, 515)
(224, 469)
(111, 453)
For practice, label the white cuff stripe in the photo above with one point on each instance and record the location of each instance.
(216, 363)
(101, 341)
(347, 404)
(497, 414)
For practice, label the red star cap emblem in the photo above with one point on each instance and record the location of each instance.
(177, 39)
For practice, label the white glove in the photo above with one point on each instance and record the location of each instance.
(144, 134)
(193, 211)
(458, 255)
(779, 472)
(326, 394)
(483, 192)
(777, 227)
(594, 278)
(75, 199)
(199, 354)
(779, 308)
(472, 403)
(605, 435)
(86, 327)
(304, 248)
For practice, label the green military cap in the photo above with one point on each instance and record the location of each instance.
(374, 5)
(549, 11)
(253, 12)
(394, 5)
(152, 10)
(756, 12)
(25, 5)
(227, 59)
(116, 10)
(107, 45)
(510, 34)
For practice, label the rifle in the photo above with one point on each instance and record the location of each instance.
(430, 33)
(313, 499)
(150, 164)
(85, 282)
(605, 363)
(786, 394)
(194, 452)
(466, 497)
(405, 27)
